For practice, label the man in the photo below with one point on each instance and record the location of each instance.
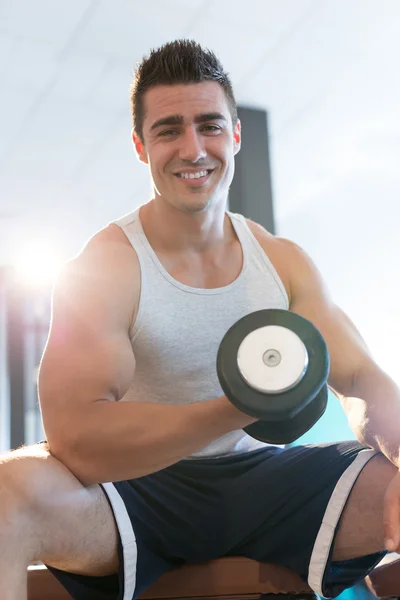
(129, 392)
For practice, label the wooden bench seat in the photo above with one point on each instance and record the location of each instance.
(228, 577)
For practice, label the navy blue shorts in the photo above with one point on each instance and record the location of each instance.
(273, 505)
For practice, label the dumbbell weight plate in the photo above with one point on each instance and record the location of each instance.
(272, 359)
(299, 390)
(287, 431)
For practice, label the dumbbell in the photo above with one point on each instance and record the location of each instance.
(273, 364)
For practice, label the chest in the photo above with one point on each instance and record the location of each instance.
(180, 331)
(209, 270)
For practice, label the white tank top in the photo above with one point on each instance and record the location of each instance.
(178, 328)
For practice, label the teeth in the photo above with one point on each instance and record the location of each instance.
(193, 175)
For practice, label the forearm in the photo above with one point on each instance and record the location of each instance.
(373, 410)
(126, 440)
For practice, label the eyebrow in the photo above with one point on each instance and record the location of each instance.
(178, 119)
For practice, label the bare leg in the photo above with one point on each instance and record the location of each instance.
(361, 529)
(47, 515)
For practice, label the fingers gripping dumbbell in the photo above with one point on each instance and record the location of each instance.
(274, 365)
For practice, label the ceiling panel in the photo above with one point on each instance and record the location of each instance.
(7, 45)
(126, 29)
(14, 107)
(45, 20)
(269, 18)
(110, 91)
(326, 71)
(30, 66)
(77, 76)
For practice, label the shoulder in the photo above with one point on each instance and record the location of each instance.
(105, 271)
(284, 254)
(107, 250)
(278, 245)
(109, 242)
(293, 264)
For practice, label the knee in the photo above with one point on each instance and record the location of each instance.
(372, 483)
(380, 471)
(28, 480)
(20, 472)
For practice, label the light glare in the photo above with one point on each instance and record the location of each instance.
(37, 266)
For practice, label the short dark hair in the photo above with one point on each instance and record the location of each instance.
(180, 61)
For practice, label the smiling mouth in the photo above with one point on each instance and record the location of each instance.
(194, 178)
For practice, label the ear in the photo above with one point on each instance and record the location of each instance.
(237, 137)
(139, 148)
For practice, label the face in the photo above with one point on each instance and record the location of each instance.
(189, 143)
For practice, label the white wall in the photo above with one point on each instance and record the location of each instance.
(336, 169)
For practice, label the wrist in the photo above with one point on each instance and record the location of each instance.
(233, 416)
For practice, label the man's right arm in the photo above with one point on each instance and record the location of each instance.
(88, 365)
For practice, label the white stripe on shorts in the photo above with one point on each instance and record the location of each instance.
(323, 541)
(128, 539)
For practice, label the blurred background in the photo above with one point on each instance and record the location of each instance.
(325, 72)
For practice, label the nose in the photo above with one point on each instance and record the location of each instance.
(192, 146)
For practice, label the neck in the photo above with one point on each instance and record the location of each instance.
(168, 228)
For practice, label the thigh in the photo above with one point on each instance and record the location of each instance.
(296, 501)
(67, 525)
(360, 530)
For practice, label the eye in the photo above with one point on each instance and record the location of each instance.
(167, 132)
(211, 128)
